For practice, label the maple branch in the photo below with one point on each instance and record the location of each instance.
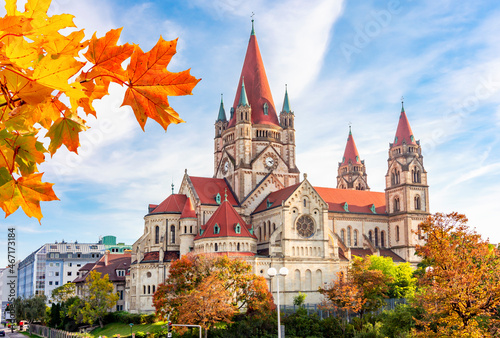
(117, 80)
(11, 34)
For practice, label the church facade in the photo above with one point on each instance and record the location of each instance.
(257, 207)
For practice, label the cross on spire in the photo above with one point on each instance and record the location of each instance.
(402, 104)
(225, 194)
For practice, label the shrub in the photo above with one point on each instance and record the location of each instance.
(147, 319)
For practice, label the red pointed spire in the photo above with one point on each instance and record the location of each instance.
(404, 131)
(257, 87)
(351, 152)
(188, 211)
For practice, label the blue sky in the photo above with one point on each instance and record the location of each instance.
(343, 61)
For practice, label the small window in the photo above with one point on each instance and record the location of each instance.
(237, 229)
(346, 207)
(69, 273)
(216, 247)
(397, 233)
(217, 198)
(56, 283)
(216, 230)
(56, 273)
(70, 264)
(266, 109)
(50, 282)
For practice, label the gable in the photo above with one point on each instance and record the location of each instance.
(268, 184)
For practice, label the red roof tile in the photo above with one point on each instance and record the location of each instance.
(351, 152)
(257, 87)
(389, 253)
(115, 262)
(188, 211)
(404, 131)
(276, 198)
(226, 219)
(172, 204)
(360, 252)
(152, 256)
(359, 201)
(207, 188)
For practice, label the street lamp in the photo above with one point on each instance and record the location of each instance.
(283, 272)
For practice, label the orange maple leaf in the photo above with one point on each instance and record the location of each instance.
(65, 131)
(26, 192)
(106, 56)
(150, 84)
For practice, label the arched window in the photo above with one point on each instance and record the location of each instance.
(397, 233)
(172, 234)
(185, 229)
(417, 202)
(376, 236)
(308, 280)
(396, 204)
(348, 236)
(238, 247)
(318, 280)
(355, 237)
(418, 176)
(149, 289)
(382, 239)
(265, 231)
(154, 288)
(266, 109)
(342, 235)
(370, 236)
(297, 280)
(191, 229)
(157, 234)
(237, 229)
(144, 289)
(216, 230)
(305, 203)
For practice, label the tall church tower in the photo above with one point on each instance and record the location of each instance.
(407, 192)
(352, 171)
(255, 143)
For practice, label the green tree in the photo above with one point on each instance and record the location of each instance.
(63, 293)
(98, 298)
(30, 309)
(299, 299)
(402, 283)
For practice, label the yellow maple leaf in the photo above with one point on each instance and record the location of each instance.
(26, 192)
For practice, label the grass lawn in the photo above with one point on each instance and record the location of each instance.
(27, 334)
(124, 329)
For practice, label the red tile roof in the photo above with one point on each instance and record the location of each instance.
(226, 219)
(257, 87)
(188, 211)
(351, 152)
(207, 188)
(358, 201)
(360, 252)
(154, 256)
(172, 204)
(404, 131)
(276, 198)
(115, 262)
(389, 253)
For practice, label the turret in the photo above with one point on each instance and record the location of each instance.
(287, 123)
(188, 224)
(352, 171)
(220, 126)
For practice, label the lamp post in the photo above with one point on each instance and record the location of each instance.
(283, 272)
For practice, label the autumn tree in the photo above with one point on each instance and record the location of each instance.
(360, 290)
(50, 76)
(98, 297)
(460, 285)
(204, 281)
(402, 283)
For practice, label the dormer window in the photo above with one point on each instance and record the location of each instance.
(412, 138)
(120, 273)
(217, 198)
(216, 229)
(346, 207)
(269, 203)
(232, 112)
(396, 140)
(237, 228)
(372, 208)
(266, 109)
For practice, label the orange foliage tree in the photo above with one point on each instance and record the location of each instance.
(361, 290)
(49, 79)
(204, 281)
(460, 286)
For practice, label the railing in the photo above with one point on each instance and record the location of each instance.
(49, 332)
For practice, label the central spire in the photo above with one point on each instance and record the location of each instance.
(257, 87)
(403, 132)
(351, 151)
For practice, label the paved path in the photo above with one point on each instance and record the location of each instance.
(14, 334)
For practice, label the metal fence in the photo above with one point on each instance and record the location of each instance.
(322, 312)
(49, 332)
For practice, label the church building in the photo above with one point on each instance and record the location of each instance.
(258, 208)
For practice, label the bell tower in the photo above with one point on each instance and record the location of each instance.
(407, 192)
(220, 127)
